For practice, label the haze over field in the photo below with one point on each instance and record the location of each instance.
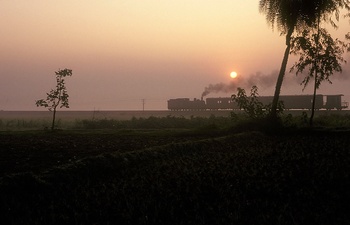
(124, 51)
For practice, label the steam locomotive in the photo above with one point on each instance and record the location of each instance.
(329, 102)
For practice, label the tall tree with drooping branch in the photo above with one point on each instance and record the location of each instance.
(58, 96)
(290, 16)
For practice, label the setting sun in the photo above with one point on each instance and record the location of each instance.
(233, 74)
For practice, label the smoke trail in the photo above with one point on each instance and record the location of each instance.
(266, 81)
(258, 79)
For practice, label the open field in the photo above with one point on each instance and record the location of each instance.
(118, 115)
(174, 177)
(72, 120)
(127, 115)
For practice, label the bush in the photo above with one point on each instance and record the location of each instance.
(168, 122)
(251, 104)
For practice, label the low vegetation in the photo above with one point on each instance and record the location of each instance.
(171, 122)
(152, 122)
(177, 171)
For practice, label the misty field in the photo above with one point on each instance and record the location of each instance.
(205, 174)
(29, 120)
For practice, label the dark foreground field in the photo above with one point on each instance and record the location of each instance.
(174, 177)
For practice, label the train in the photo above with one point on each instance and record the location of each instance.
(290, 102)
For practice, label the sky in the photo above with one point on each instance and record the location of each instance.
(126, 52)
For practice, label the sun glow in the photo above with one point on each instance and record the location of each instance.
(233, 74)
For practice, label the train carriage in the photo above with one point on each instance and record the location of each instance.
(185, 104)
(335, 102)
(290, 102)
(221, 104)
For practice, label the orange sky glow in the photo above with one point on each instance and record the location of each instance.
(127, 50)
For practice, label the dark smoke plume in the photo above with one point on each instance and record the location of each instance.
(265, 81)
(258, 79)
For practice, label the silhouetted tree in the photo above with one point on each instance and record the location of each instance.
(347, 36)
(250, 104)
(320, 54)
(58, 96)
(291, 16)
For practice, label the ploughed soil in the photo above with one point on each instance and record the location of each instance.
(37, 151)
(168, 177)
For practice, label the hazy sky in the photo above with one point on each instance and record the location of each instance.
(123, 51)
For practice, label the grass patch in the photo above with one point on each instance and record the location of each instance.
(235, 123)
(244, 178)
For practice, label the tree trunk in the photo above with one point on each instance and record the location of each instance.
(317, 40)
(281, 75)
(313, 101)
(53, 118)
(58, 102)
